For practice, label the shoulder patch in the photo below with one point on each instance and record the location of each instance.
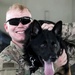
(8, 65)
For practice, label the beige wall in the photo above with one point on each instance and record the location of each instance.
(58, 9)
(73, 10)
(53, 10)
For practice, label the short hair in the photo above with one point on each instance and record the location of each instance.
(17, 6)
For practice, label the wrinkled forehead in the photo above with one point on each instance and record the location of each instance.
(16, 13)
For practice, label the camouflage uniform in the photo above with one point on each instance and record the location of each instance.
(12, 62)
(68, 34)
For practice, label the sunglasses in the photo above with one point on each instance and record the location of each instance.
(16, 21)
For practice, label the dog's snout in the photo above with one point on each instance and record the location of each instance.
(53, 58)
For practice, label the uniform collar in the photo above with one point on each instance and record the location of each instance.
(20, 50)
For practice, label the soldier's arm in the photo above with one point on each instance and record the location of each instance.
(68, 32)
(6, 67)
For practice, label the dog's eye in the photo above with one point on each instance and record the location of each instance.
(44, 44)
(53, 44)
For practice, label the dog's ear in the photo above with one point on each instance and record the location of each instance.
(58, 28)
(36, 27)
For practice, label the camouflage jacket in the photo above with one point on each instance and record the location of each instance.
(68, 34)
(12, 62)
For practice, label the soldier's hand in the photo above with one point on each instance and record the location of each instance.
(47, 26)
(62, 60)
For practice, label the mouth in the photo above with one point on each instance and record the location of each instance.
(20, 32)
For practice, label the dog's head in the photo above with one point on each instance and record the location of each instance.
(44, 43)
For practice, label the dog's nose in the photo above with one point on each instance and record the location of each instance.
(53, 58)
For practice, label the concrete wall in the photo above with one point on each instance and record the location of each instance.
(53, 10)
(73, 10)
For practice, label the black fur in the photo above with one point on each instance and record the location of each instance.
(43, 44)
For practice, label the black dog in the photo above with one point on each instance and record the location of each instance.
(43, 44)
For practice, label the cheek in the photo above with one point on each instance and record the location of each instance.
(10, 29)
(6, 27)
(26, 26)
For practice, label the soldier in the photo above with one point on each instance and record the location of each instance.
(18, 18)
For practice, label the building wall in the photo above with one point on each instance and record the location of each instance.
(53, 10)
(73, 10)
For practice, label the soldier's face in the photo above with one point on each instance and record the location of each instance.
(17, 31)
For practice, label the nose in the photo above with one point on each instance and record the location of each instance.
(20, 25)
(53, 58)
